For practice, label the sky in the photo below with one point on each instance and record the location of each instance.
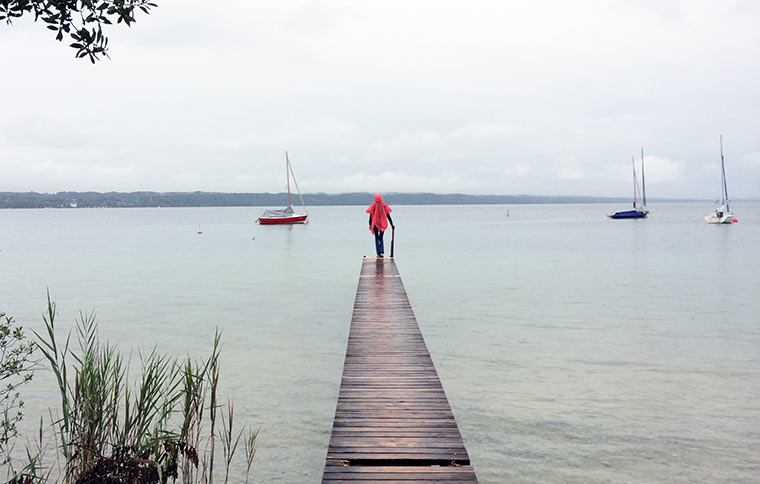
(481, 97)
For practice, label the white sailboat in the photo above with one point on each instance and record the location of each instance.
(722, 214)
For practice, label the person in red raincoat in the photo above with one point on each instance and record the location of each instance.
(379, 216)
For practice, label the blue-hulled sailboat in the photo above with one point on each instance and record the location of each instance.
(639, 209)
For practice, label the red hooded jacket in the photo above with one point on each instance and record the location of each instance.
(379, 212)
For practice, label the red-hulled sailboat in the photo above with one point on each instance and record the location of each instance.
(285, 215)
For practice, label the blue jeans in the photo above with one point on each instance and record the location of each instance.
(379, 248)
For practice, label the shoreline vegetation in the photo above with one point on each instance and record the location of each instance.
(219, 199)
(163, 424)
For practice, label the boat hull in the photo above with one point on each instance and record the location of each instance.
(296, 219)
(715, 218)
(629, 214)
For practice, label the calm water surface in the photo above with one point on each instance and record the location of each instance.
(573, 348)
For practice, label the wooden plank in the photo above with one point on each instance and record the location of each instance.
(405, 474)
(393, 422)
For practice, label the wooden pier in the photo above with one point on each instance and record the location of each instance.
(393, 423)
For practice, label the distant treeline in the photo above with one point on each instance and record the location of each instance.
(216, 199)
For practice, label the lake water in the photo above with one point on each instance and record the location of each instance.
(573, 348)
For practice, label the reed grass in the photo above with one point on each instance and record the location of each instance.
(229, 440)
(250, 449)
(110, 430)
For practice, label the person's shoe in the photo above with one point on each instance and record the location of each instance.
(380, 255)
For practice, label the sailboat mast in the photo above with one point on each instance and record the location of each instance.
(287, 175)
(723, 176)
(643, 186)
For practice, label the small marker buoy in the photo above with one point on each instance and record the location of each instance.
(736, 220)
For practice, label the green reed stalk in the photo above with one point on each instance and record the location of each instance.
(214, 382)
(229, 442)
(57, 360)
(250, 449)
(192, 413)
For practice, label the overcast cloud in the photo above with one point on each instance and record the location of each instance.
(497, 97)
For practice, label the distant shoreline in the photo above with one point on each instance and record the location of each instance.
(219, 199)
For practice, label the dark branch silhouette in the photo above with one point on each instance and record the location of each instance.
(81, 20)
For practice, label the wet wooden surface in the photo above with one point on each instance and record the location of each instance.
(393, 423)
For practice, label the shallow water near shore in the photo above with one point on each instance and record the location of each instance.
(573, 348)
